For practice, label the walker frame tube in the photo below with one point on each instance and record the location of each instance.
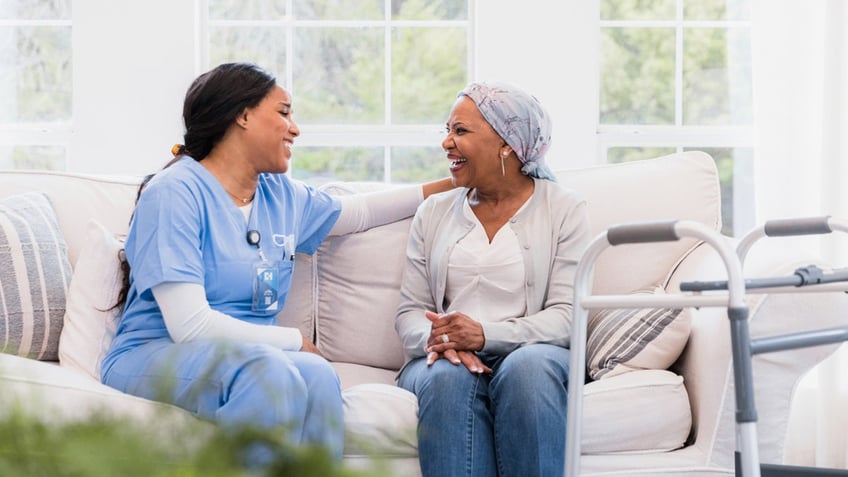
(734, 300)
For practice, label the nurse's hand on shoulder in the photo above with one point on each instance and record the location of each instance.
(309, 347)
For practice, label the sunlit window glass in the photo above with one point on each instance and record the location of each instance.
(36, 83)
(675, 75)
(371, 80)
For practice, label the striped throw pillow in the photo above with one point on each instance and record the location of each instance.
(34, 277)
(626, 339)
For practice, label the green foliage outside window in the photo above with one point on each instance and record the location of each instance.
(647, 84)
(418, 164)
(318, 165)
(637, 76)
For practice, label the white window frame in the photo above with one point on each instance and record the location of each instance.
(385, 135)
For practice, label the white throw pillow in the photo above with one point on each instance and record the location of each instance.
(627, 339)
(90, 317)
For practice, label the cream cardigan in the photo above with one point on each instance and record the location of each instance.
(552, 230)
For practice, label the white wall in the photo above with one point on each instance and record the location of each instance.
(550, 49)
(800, 68)
(132, 64)
(134, 60)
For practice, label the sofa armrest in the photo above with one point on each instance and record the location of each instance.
(705, 363)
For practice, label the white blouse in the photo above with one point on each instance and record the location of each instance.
(486, 280)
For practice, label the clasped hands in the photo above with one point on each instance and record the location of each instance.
(455, 337)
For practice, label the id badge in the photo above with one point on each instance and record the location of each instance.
(266, 286)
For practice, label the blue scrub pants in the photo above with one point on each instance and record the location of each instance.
(511, 423)
(239, 384)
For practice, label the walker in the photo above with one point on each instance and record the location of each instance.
(742, 347)
(809, 279)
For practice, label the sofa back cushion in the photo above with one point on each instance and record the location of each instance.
(76, 199)
(346, 295)
(354, 280)
(681, 186)
(351, 289)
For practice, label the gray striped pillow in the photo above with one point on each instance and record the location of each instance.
(34, 277)
(628, 339)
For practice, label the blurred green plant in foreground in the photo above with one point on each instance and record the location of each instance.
(104, 446)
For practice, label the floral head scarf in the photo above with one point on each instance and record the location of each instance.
(519, 119)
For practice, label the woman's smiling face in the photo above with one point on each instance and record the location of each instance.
(272, 131)
(472, 145)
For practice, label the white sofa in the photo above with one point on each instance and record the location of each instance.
(647, 422)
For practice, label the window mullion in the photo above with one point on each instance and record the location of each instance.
(290, 46)
(678, 66)
(387, 99)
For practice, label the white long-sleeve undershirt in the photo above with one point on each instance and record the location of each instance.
(363, 211)
(189, 317)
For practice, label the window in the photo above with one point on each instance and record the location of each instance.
(35, 83)
(675, 75)
(372, 81)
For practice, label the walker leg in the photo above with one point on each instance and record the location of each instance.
(749, 459)
(743, 380)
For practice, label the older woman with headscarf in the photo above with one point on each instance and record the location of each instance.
(485, 309)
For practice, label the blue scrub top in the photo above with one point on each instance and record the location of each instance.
(186, 229)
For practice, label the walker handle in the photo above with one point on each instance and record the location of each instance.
(797, 226)
(643, 232)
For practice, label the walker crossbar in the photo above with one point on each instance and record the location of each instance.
(803, 276)
(797, 340)
(733, 300)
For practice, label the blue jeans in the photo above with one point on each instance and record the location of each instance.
(239, 384)
(511, 423)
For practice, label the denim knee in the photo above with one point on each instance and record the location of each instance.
(532, 368)
(442, 378)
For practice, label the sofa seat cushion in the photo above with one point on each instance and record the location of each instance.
(55, 393)
(380, 420)
(640, 411)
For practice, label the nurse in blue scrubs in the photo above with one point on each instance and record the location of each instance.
(211, 251)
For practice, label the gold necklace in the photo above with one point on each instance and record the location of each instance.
(243, 200)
